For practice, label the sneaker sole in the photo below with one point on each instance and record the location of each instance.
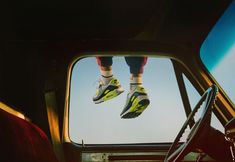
(109, 96)
(137, 109)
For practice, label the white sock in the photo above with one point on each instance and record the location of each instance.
(106, 76)
(135, 82)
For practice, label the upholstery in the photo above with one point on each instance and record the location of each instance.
(22, 141)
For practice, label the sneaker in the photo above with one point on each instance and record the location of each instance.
(107, 92)
(137, 102)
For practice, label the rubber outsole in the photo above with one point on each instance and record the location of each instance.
(134, 112)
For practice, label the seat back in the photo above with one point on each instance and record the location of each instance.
(21, 140)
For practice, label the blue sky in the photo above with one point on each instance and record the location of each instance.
(101, 123)
(104, 119)
(224, 73)
(220, 40)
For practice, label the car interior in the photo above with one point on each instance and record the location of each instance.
(48, 74)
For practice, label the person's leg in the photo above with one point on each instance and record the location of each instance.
(137, 98)
(109, 87)
(105, 65)
(136, 65)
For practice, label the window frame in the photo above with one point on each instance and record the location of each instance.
(179, 70)
(177, 53)
(147, 150)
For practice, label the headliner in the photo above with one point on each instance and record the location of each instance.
(177, 21)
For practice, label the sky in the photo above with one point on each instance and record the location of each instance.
(104, 120)
(220, 40)
(224, 73)
(101, 123)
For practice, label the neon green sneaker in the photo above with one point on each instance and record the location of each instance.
(137, 102)
(107, 92)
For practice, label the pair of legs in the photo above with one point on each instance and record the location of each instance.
(110, 87)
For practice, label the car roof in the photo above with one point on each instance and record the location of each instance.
(173, 21)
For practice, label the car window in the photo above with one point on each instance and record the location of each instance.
(101, 123)
(218, 51)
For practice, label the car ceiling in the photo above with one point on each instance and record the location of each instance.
(163, 20)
